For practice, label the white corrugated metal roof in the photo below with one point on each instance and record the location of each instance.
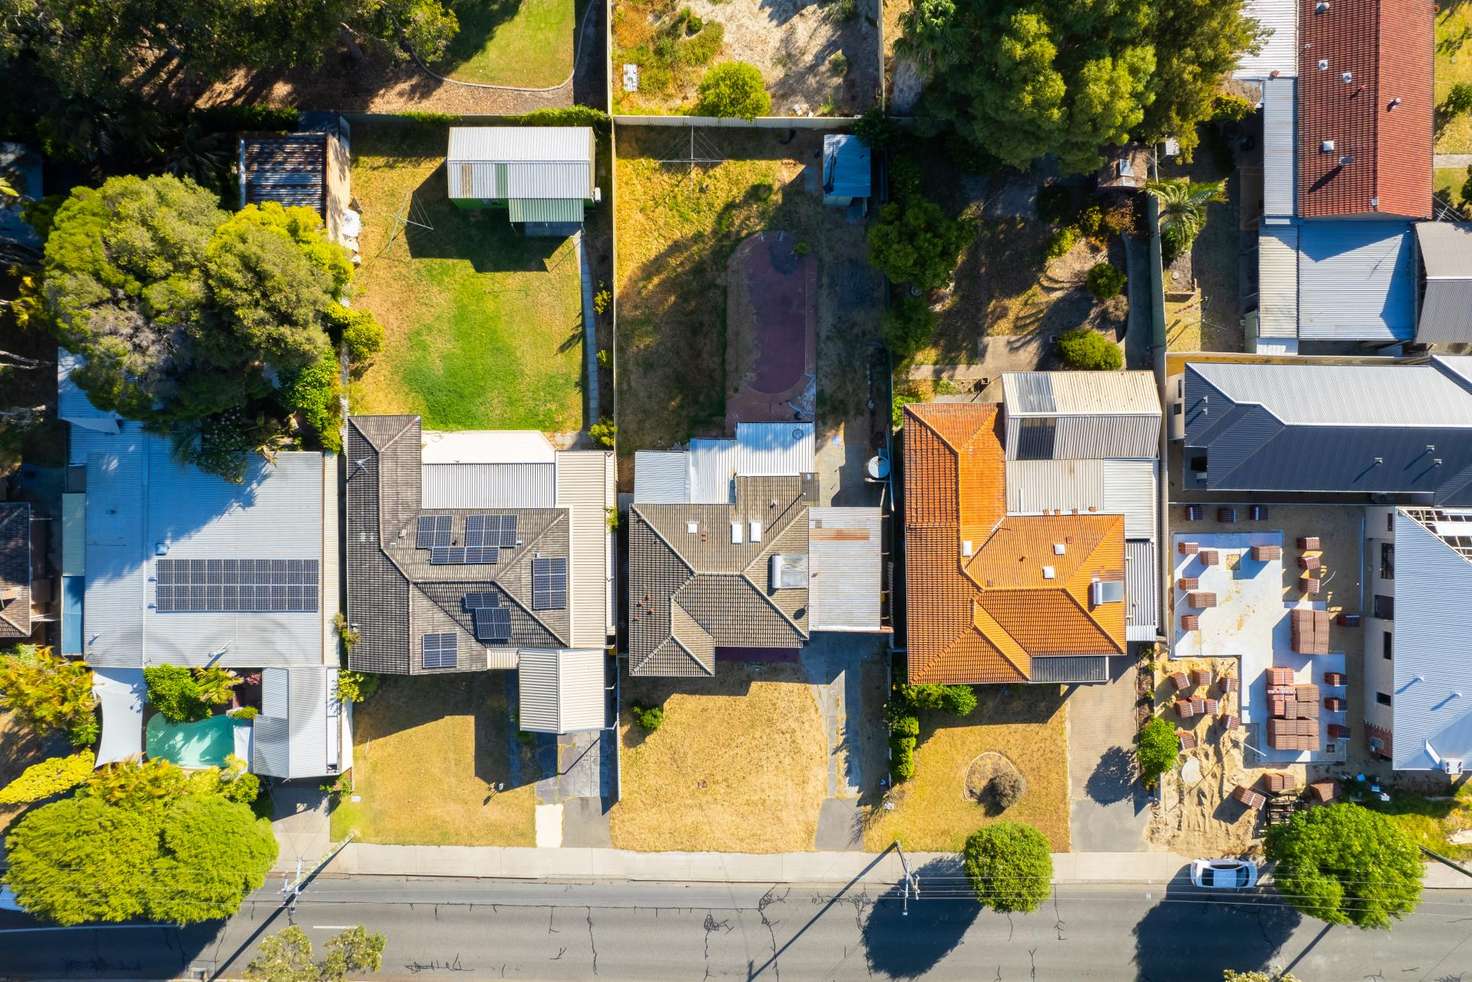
(661, 477)
(521, 143)
(72, 404)
(759, 450)
(1277, 281)
(1279, 146)
(1280, 50)
(486, 447)
(585, 480)
(510, 162)
(561, 690)
(1037, 486)
(291, 737)
(488, 485)
(1130, 490)
(845, 579)
(120, 694)
(1080, 394)
(1142, 590)
(1356, 281)
(1446, 250)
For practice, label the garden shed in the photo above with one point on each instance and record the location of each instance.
(542, 175)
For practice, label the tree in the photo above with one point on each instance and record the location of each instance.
(1183, 210)
(1345, 864)
(212, 852)
(915, 242)
(1105, 281)
(214, 684)
(173, 691)
(49, 693)
(908, 326)
(733, 88)
(287, 957)
(49, 777)
(1056, 77)
(136, 783)
(1005, 788)
(1009, 866)
(1230, 976)
(1157, 750)
(1085, 349)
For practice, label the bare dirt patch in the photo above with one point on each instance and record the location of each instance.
(985, 769)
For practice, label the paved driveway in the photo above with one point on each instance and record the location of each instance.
(1108, 810)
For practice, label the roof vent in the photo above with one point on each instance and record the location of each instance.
(692, 527)
(1049, 573)
(1322, 7)
(1346, 160)
(1323, 64)
(966, 547)
(1327, 146)
(736, 537)
(755, 529)
(1395, 102)
(1059, 548)
(1375, 201)
(1346, 77)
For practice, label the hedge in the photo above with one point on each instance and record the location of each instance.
(49, 777)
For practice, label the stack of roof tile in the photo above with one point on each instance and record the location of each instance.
(1310, 631)
(1201, 599)
(1295, 713)
(1262, 554)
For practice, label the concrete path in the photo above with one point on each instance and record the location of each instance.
(840, 667)
(590, 333)
(1138, 352)
(299, 819)
(1108, 811)
(1459, 160)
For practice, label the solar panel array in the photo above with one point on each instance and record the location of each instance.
(490, 531)
(236, 585)
(549, 583)
(492, 621)
(440, 650)
(485, 537)
(462, 556)
(433, 532)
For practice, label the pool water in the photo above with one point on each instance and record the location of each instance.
(205, 743)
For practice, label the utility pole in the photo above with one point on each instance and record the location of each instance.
(912, 882)
(291, 890)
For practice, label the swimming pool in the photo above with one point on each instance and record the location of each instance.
(205, 743)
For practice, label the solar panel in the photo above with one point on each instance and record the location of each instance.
(508, 531)
(493, 624)
(549, 584)
(433, 531)
(235, 585)
(473, 600)
(447, 555)
(440, 650)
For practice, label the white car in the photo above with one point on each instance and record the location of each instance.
(1224, 874)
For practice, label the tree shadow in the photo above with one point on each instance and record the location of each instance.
(1113, 778)
(1199, 934)
(908, 946)
(435, 228)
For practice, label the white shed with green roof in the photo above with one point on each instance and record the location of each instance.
(542, 175)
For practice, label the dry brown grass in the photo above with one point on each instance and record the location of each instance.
(739, 765)
(427, 753)
(933, 813)
(19, 749)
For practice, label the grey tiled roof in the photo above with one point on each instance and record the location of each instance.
(15, 570)
(395, 595)
(692, 592)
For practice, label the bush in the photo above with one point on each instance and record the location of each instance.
(49, 693)
(566, 116)
(958, 700)
(356, 686)
(361, 336)
(1085, 349)
(838, 64)
(1061, 242)
(908, 326)
(49, 777)
(214, 685)
(1105, 281)
(246, 713)
(1055, 204)
(171, 690)
(1091, 221)
(1009, 867)
(603, 432)
(257, 119)
(1005, 789)
(897, 408)
(1157, 750)
(1229, 107)
(428, 118)
(648, 718)
(905, 726)
(1120, 218)
(314, 395)
(902, 757)
(914, 241)
(733, 89)
(877, 129)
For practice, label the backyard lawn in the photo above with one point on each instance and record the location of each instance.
(933, 811)
(1449, 181)
(524, 43)
(740, 763)
(1453, 66)
(427, 754)
(483, 327)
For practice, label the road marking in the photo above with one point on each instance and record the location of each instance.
(333, 927)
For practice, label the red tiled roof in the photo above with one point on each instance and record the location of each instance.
(984, 617)
(1382, 157)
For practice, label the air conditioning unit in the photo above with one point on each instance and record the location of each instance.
(1451, 766)
(1106, 592)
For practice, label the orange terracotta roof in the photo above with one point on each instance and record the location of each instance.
(984, 617)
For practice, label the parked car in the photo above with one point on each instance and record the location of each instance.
(1224, 874)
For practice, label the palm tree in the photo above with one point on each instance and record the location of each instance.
(214, 684)
(1183, 208)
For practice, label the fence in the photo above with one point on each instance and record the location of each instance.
(761, 122)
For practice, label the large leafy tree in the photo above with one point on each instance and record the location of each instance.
(1009, 866)
(914, 241)
(1346, 864)
(287, 957)
(217, 328)
(49, 693)
(1022, 79)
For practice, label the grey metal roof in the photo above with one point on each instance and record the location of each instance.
(1130, 489)
(1356, 281)
(144, 505)
(488, 485)
(298, 732)
(15, 570)
(1280, 145)
(847, 171)
(845, 580)
(1068, 668)
(1279, 52)
(1141, 589)
(1277, 281)
(1108, 487)
(1432, 640)
(758, 450)
(661, 477)
(1402, 430)
(561, 690)
(585, 487)
(290, 170)
(1080, 394)
(1446, 305)
(504, 162)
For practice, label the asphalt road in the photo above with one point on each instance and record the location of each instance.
(474, 929)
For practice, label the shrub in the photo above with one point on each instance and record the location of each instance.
(1119, 218)
(844, 10)
(838, 64)
(565, 116)
(958, 700)
(360, 333)
(214, 684)
(49, 693)
(1229, 107)
(171, 690)
(1055, 204)
(905, 726)
(314, 395)
(1091, 221)
(914, 241)
(246, 713)
(356, 686)
(902, 757)
(1105, 281)
(1005, 788)
(1009, 867)
(1458, 100)
(877, 130)
(229, 119)
(733, 89)
(603, 432)
(648, 718)
(1157, 750)
(601, 300)
(905, 176)
(49, 777)
(427, 118)
(287, 957)
(135, 784)
(897, 408)
(1085, 349)
(1061, 242)
(908, 326)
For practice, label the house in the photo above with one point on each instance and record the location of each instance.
(480, 550)
(15, 571)
(542, 175)
(311, 168)
(1347, 164)
(1418, 637)
(170, 565)
(1397, 433)
(729, 550)
(847, 170)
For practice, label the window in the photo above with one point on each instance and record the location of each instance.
(1197, 462)
(1387, 560)
(1384, 607)
(1035, 438)
(1390, 521)
(1385, 641)
(1382, 698)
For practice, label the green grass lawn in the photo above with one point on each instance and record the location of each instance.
(512, 42)
(1431, 821)
(1453, 65)
(1449, 180)
(483, 327)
